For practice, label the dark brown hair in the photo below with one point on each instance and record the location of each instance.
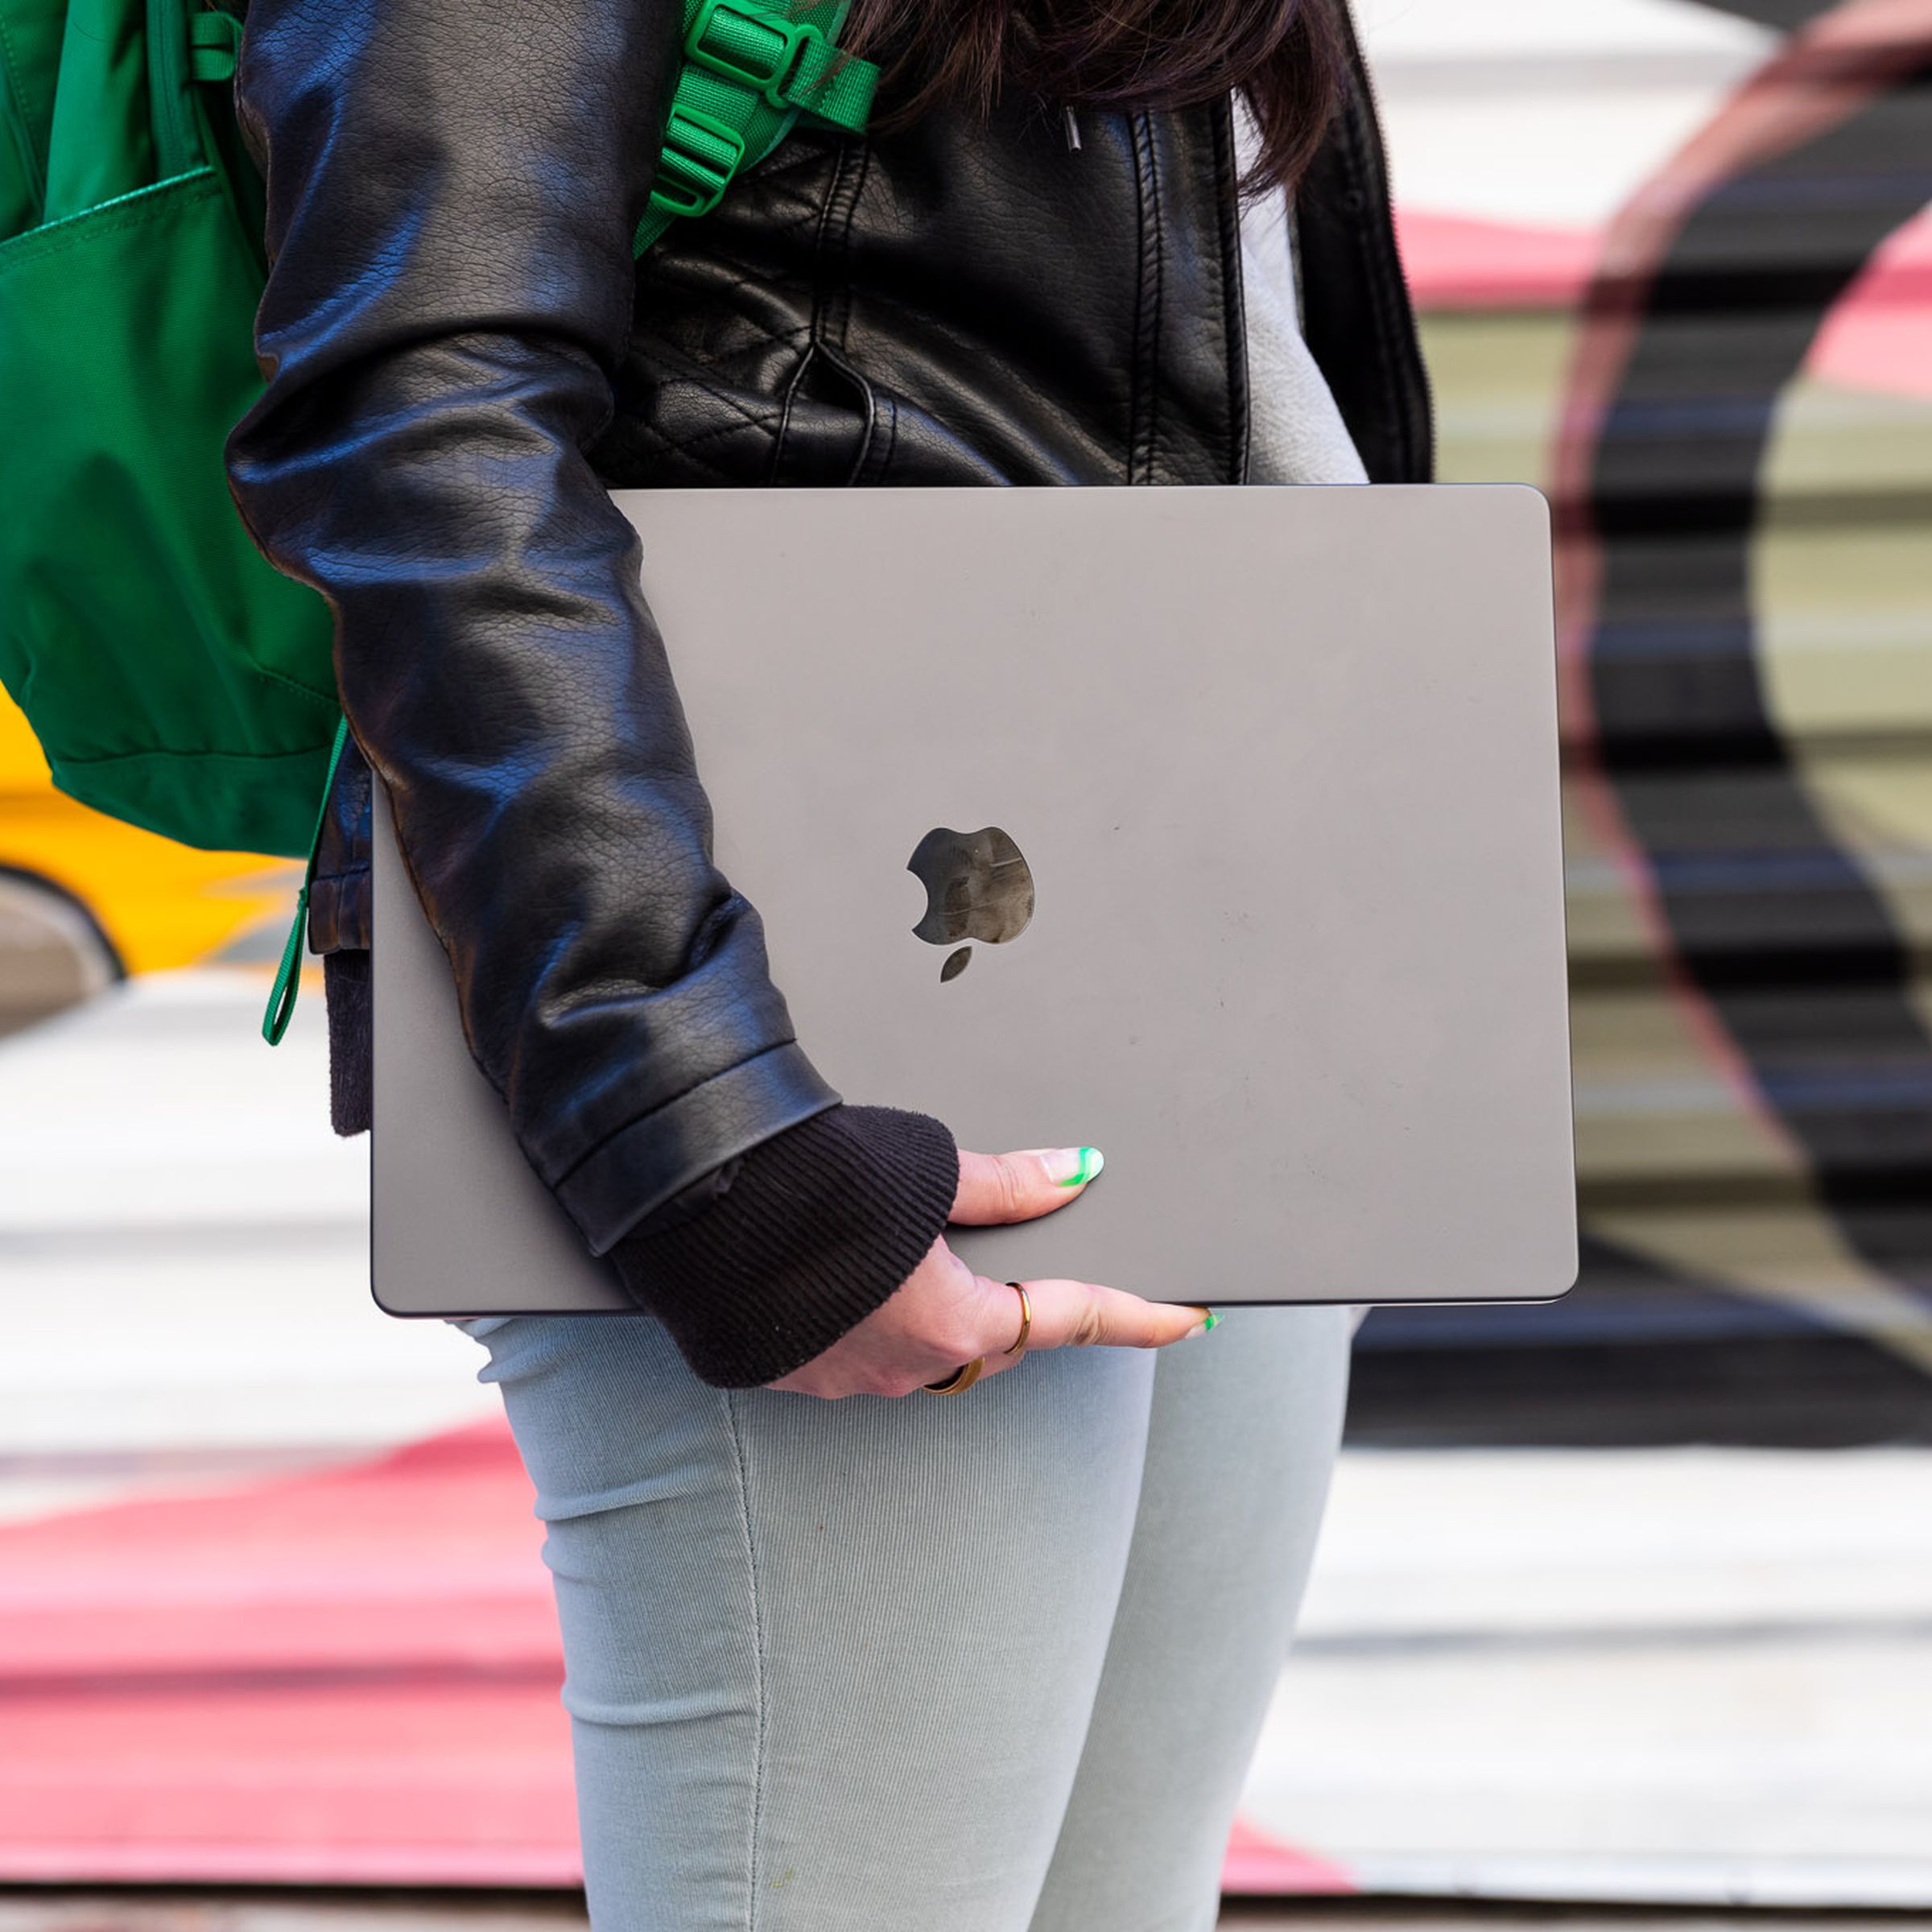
(1284, 55)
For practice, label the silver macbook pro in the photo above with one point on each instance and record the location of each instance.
(1216, 828)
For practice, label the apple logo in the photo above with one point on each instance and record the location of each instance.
(978, 886)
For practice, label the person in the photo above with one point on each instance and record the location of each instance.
(994, 1659)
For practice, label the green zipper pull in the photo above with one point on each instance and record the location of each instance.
(288, 975)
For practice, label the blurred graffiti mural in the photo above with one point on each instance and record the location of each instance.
(1723, 379)
(1675, 266)
(1674, 262)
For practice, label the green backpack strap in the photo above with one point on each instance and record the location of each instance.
(751, 68)
(288, 975)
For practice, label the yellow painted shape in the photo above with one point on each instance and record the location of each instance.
(1790, 1253)
(1843, 604)
(1654, 1105)
(1606, 926)
(1884, 804)
(1850, 446)
(1498, 377)
(1844, 618)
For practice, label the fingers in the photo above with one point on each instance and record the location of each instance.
(1068, 1314)
(996, 1188)
(942, 1316)
(945, 1315)
(1078, 1315)
(984, 1321)
(1005, 1317)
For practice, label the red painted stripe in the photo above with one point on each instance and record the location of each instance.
(347, 1677)
(218, 1863)
(1459, 262)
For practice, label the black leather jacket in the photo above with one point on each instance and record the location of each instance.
(461, 356)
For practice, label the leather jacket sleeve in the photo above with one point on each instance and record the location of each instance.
(451, 191)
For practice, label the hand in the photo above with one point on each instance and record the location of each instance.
(944, 1315)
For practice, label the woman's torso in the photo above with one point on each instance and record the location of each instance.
(964, 303)
(961, 303)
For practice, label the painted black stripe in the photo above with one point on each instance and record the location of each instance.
(1786, 14)
(1638, 1354)
(1705, 779)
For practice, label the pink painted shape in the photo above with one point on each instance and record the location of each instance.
(1259, 1866)
(1457, 262)
(1879, 336)
(345, 1678)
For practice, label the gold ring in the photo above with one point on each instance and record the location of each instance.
(961, 1379)
(1019, 1347)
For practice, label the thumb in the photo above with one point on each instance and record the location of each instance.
(996, 1188)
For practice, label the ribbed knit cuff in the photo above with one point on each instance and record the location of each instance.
(346, 986)
(809, 1232)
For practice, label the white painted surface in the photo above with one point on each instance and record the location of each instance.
(1547, 112)
(1688, 1674)
(184, 1256)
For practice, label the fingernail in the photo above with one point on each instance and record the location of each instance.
(1075, 1166)
(1209, 1320)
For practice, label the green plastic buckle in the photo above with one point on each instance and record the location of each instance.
(701, 153)
(745, 38)
(214, 41)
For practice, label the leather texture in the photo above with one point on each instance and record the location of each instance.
(462, 359)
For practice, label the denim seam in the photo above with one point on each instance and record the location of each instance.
(757, 1633)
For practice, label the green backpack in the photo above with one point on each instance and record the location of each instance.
(174, 678)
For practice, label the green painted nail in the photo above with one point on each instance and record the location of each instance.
(1089, 1162)
(1212, 1319)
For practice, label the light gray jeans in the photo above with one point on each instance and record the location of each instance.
(994, 1662)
